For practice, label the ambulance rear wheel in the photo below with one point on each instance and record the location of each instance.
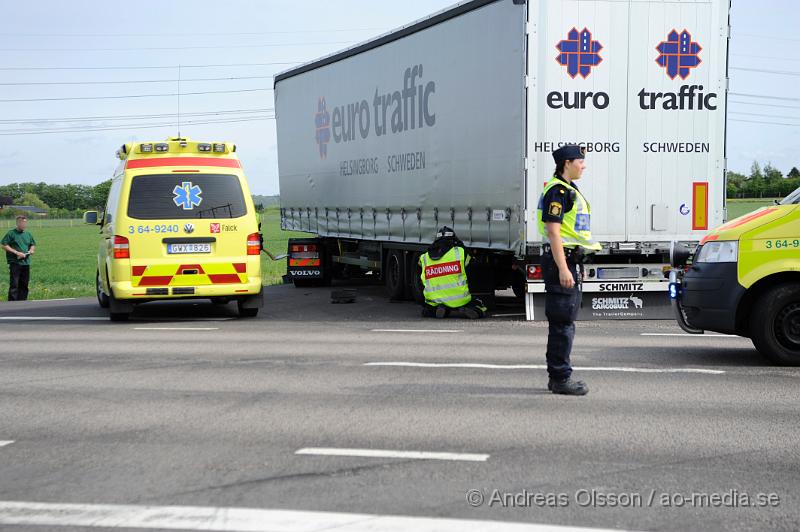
(776, 324)
(394, 275)
(102, 297)
(247, 312)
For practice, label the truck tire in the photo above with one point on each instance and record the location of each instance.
(775, 328)
(415, 283)
(102, 297)
(519, 283)
(395, 275)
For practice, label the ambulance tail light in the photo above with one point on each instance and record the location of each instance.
(146, 148)
(219, 148)
(162, 146)
(533, 272)
(253, 244)
(121, 247)
(203, 147)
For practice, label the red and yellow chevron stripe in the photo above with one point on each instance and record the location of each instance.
(189, 274)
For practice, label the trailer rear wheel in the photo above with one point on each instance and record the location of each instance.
(395, 275)
(518, 283)
(415, 283)
(776, 326)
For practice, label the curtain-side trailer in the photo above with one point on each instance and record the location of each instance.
(451, 120)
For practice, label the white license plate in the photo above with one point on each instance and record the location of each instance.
(188, 248)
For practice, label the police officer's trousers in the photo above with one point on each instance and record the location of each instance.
(561, 308)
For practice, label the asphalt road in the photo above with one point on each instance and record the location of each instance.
(186, 406)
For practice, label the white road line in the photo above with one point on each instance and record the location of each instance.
(507, 315)
(56, 299)
(686, 335)
(53, 318)
(245, 519)
(543, 366)
(385, 453)
(419, 330)
(3, 443)
(176, 328)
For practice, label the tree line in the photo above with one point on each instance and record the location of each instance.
(72, 200)
(59, 200)
(63, 201)
(766, 182)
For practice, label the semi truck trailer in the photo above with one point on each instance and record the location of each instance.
(452, 119)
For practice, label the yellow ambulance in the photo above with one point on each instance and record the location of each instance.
(744, 279)
(179, 223)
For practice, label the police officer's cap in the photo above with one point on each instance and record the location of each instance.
(568, 152)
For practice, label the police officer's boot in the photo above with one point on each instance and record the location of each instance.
(428, 311)
(567, 387)
(442, 311)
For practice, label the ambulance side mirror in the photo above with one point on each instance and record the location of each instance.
(91, 218)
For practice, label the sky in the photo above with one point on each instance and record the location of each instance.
(43, 43)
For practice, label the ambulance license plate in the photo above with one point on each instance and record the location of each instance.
(188, 248)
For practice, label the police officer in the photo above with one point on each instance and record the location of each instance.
(444, 279)
(564, 222)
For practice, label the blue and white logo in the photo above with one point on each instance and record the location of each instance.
(187, 195)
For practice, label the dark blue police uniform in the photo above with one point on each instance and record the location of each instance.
(561, 304)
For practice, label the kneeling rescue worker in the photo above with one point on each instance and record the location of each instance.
(564, 221)
(444, 279)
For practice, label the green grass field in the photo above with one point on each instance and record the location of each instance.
(738, 207)
(66, 256)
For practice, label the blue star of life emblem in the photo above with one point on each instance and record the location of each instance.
(187, 195)
(579, 53)
(678, 54)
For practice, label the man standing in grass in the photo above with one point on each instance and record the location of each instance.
(19, 245)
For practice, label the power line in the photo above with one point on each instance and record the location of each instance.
(771, 57)
(125, 127)
(767, 71)
(760, 122)
(183, 34)
(765, 115)
(132, 117)
(229, 78)
(759, 104)
(128, 96)
(770, 37)
(172, 67)
(153, 48)
(746, 95)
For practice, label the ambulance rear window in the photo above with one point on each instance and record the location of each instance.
(170, 196)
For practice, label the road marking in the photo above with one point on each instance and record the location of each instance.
(686, 335)
(419, 330)
(507, 315)
(384, 453)
(176, 328)
(244, 519)
(3, 443)
(57, 299)
(543, 366)
(53, 318)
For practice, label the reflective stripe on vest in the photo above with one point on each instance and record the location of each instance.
(446, 284)
(576, 226)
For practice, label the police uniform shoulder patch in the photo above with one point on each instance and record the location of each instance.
(555, 209)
